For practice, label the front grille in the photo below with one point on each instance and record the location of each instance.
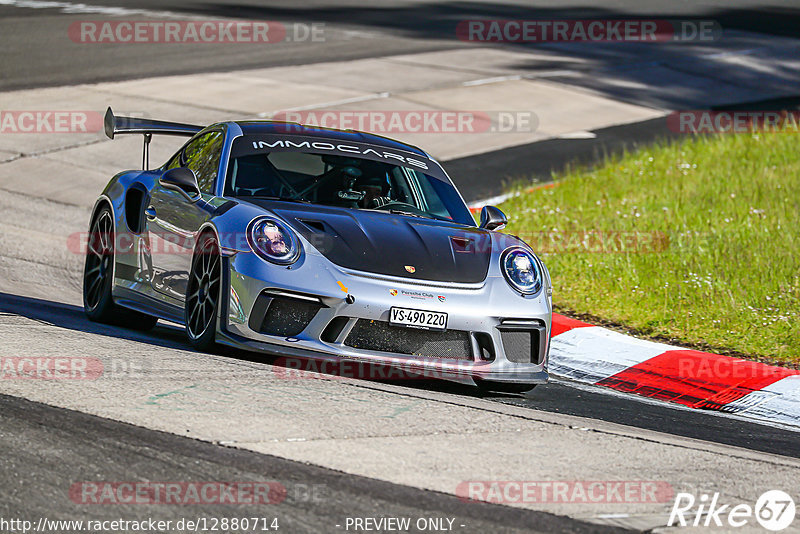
(521, 346)
(334, 328)
(518, 346)
(287, 316)
(380, 337)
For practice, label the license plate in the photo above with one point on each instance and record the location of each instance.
(417, 318)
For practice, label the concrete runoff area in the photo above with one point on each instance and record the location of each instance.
(311, 498)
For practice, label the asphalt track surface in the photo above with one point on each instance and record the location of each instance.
(44, 446)
(38, 52)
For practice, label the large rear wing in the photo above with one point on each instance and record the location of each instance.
(147, 127)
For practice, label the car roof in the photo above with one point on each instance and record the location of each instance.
(274, 127)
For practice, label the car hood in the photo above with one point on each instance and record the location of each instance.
(390, 244)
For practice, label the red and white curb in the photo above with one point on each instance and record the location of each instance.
(702, 380)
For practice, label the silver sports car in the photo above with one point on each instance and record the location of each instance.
(317, 244)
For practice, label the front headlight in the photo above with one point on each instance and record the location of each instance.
(521, 270)
(273, 240)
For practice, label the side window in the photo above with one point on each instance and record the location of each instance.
(202, 156)
(175, 161)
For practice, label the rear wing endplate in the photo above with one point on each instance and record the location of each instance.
(147, 127)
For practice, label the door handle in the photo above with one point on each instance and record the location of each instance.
(150, 213)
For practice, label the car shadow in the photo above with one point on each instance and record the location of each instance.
(172, 336)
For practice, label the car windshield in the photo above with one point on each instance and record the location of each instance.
(344, 181)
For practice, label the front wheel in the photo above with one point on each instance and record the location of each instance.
(202, 293)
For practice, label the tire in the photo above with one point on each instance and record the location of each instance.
(503, 387)
(203, 293)
(98, 274)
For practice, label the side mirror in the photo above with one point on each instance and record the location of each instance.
(492, 218)
(182, 180)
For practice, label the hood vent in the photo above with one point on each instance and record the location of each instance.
(314, 226)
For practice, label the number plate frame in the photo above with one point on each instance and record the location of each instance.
(404, 322)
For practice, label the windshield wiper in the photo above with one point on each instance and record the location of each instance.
(410, 214)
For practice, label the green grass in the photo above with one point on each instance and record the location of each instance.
(729, 276)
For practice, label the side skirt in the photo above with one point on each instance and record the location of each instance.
(140, 302)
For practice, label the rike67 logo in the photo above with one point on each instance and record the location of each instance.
(774, 510)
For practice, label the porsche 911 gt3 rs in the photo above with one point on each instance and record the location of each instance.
(315, 243)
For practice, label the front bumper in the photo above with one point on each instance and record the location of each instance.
(485, 319)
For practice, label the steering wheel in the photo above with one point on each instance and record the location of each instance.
(326, 178)
(255, 191)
